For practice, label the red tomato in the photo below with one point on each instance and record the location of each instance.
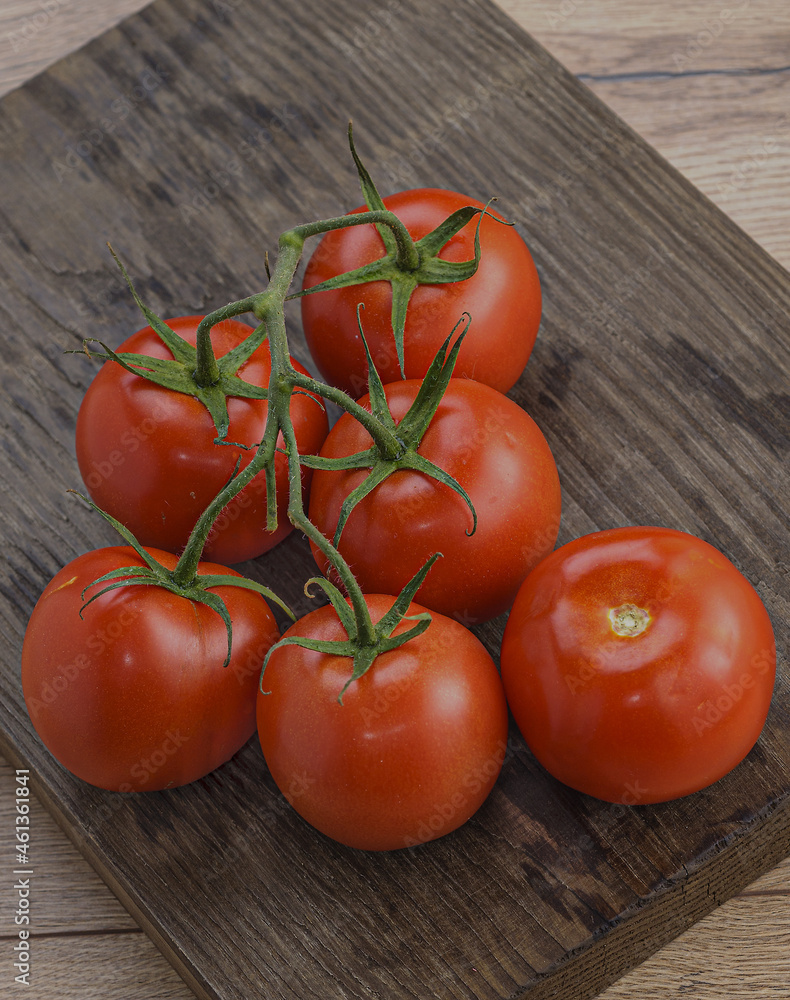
(639, 664)
(497, 453)
(503, 298)
(147, 454)
(412, 752)
(133, 696)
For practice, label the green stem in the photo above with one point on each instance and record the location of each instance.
(269, 307)
(207, 370)
(366, 634)
(408, 256)
(389, 444)
(272, 311)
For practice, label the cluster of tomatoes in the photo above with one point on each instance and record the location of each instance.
(637, 662)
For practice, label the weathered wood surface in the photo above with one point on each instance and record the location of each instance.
(707, 84)
(613, 324)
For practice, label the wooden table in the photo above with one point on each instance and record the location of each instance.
(709, 86)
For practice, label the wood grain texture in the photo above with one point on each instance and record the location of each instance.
(34, 34)
(626, 291)
(707, 84)
(738, 950)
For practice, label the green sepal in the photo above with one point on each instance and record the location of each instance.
(409, 432)
(176, 375)
(230, 363)
(233, 385)
(216, 402)
(398, 610)
(337, 647)
(175, 344)
(179, 372)
(437, 271)
(217, 580)
(363, 655)
(438, 238)
(416, 421)
(338, 602)
(127, 578)
(215, 602)
(429, 268)
(417, 462)
(382, 269)
(378, 473)
(156, 575)
(124, 532)
(378, 398)
(402, 291)
(166, 372)
(371, 195)
(334, 647)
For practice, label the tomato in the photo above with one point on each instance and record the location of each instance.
(503, 298)
(147, 453)
(639, 664)
(133, 695)
(410, 754)
(497, 453)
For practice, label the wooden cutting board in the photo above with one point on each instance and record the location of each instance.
(191, 137)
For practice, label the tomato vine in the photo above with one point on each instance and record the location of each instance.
(198, 372)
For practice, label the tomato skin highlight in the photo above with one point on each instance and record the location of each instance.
(133, 696)
(412, 752)
(147, 454)
(497, 453)
(648, 716)
(503, 298)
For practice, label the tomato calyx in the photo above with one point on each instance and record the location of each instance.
(184, 580)
(381, 462)
(194, 371)
(406, 263)
(366, 641)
